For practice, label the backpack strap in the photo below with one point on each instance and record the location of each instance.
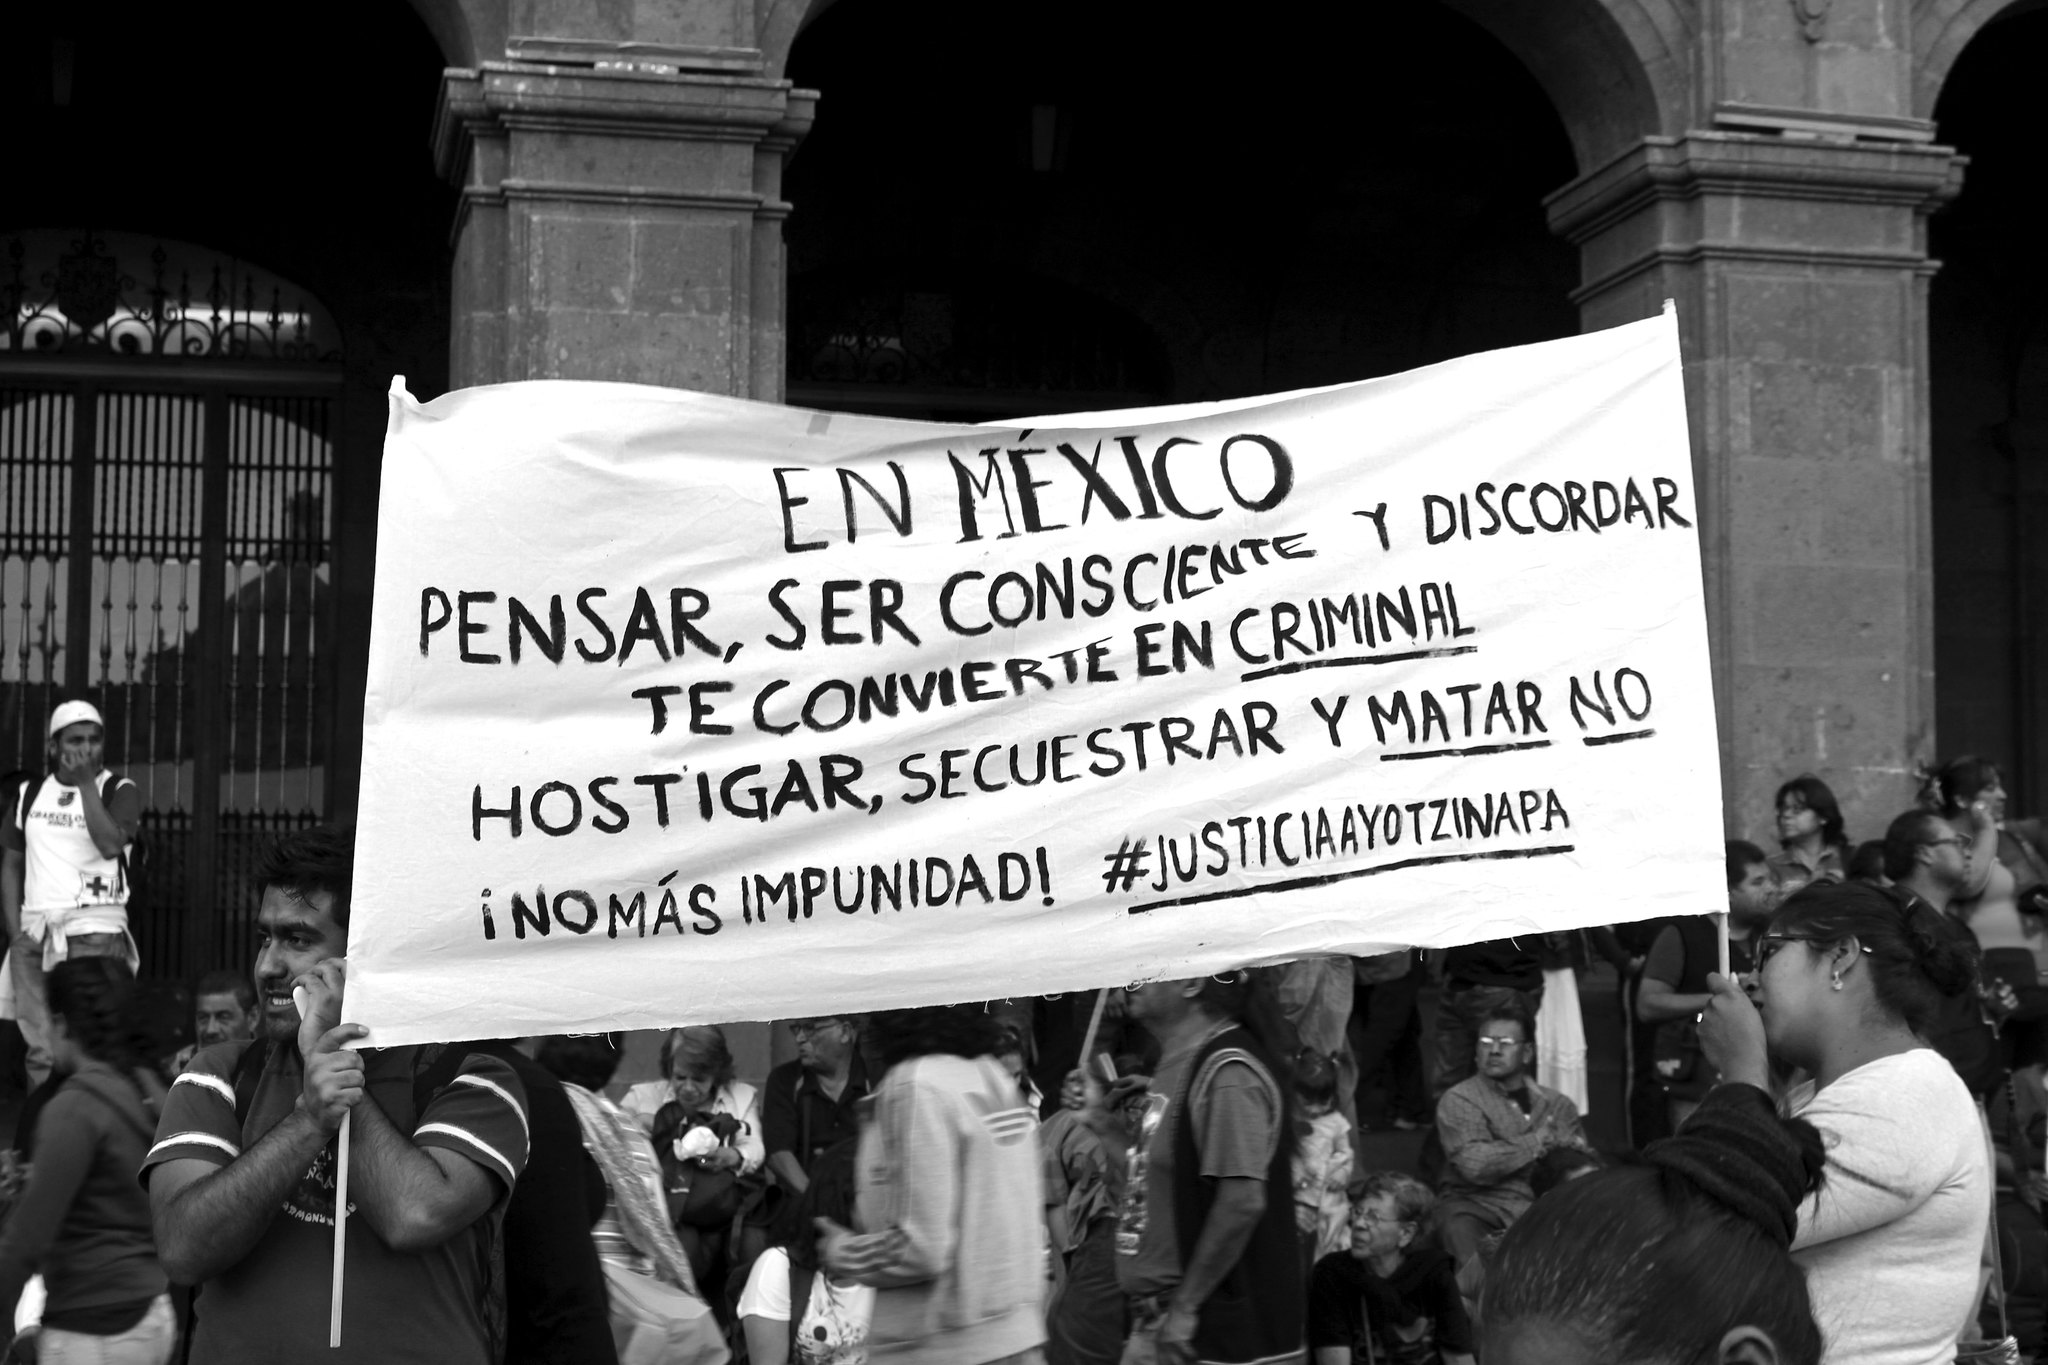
(140, 1115)
(248, 1071)
(435, 1071)
(29, 792)
(800, 1280)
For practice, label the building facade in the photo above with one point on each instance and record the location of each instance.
(231, 231)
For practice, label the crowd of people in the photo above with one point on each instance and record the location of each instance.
(1835, 1146)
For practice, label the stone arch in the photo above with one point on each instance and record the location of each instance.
(1941, 30)
(466, 31)
(780, 23)
(1613, 69)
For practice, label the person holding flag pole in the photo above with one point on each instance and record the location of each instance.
(245, 1181)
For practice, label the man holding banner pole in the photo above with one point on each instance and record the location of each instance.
(242, 1177)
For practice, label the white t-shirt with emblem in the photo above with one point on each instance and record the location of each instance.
(64, 869)
(834, 1326)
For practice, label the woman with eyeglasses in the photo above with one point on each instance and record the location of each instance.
(1392, 1299)
(1814, 848)
(706, 1130)
(1848, 979)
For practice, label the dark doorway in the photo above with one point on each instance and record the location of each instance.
(1989, 359)
(1212, 222)
(200, 185)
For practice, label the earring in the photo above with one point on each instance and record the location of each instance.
(1837, 983)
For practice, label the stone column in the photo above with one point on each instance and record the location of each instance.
(620, 215)
(1798, 260)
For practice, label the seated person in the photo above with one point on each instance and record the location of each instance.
(792, 1310)
(1394, 1295)
(706, 1130)
(1495, 1126)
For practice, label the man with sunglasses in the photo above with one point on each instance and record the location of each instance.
(811, 1104)
(1495, 1127)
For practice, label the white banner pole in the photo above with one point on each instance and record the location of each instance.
(340, 1230)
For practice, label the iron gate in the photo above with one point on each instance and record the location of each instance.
(166, 490)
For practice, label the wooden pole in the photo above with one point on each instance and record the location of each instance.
(1088, 1040)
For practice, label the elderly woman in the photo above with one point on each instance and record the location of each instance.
(706, 1129)
(1848, 978)
(697, 1071)
(1393, 1297)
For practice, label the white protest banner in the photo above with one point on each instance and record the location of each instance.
(683, 708)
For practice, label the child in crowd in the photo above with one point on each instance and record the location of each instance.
(1322, 1160)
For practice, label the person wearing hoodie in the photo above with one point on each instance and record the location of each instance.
(948, 1198)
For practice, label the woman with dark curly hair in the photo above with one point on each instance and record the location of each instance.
(1681, 1257)
(82, 1220)
(1849, 978)
(1810, 830)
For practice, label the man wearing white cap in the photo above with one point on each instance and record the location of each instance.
(63, 869)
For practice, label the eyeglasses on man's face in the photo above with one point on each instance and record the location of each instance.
(807, 1028)
(1499, 1044)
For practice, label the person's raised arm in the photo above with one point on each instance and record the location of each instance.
(1658, 1003)
(208, 1216)
(1658, 999)
(415, 1199)
(111, 823)
(1982, 856)
(1732, 1035)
